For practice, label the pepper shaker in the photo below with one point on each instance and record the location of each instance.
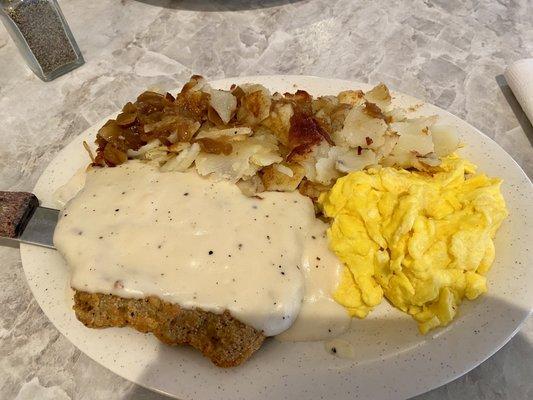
(42, 36)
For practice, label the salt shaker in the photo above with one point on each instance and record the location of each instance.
(42, 36)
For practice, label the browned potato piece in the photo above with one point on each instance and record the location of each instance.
(254, 107)
(252, 186)
(312, 189)
(279, 121)
(379, 95)
(351, 97)
(274, 179)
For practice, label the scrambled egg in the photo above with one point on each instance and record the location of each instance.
(424, 241)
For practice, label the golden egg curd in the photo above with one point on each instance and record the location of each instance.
(424, 240)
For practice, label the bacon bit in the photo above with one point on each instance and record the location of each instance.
(304, 133)
(372, 110)
(299, 96)
(302, 94)
(369, 141)
(325, 125)
(118, 285)
(299, 151)
(300, 99)
(305, 129)
(233, 86)
(212, 146)
(359, 150)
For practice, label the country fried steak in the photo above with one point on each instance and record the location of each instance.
(226, 341)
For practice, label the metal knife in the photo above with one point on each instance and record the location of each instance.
(22, 220)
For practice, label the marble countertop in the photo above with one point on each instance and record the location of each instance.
(450, 52)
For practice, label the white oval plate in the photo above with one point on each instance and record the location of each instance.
(393, 361)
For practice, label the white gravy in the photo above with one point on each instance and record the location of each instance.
(134, 231)
(320, 316)
(66, 192)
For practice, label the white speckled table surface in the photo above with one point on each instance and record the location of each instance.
(450, 52)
